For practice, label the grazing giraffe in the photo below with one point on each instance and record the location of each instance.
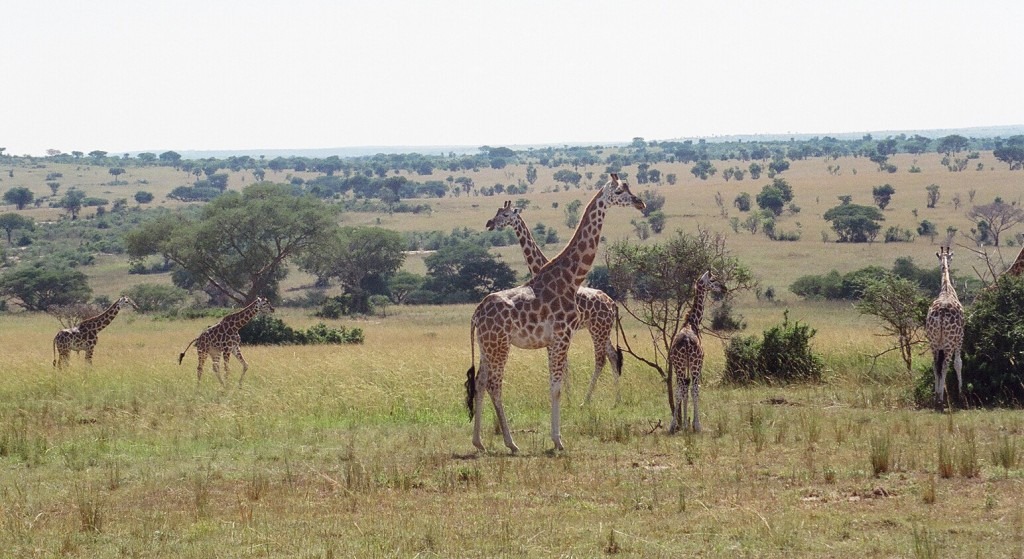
(944, 327)
(223, 339)
(539, 313)
(686, 355)
(85, 335)
(596, 310)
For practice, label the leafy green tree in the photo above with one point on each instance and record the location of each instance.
(39, 286)
(72, 202)
(360, 258)
(654, 284)
(883, 195)
(143, 197)
(153, 297)
(653, 202)
(567, 176)
(531, 174)
(933, 195)
(657, 221)
(954, 143)
(775, 196)
(703, 169)
(116, 172)
(742, 202)
(19, 196)
(465, 273)
(855, 223)
(1012, 155)
(928, 229)
(239, 243)
(572, 213)
(11, 222)
(901, 307)
(755, 169)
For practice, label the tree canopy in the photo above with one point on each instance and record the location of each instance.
(39, 286)
(238, 244)
(855, 223)
(19, 196)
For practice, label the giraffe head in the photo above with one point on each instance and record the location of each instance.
(709, 281)
(126, 301)
(616, 193)
(263, 305)
(506, 216)
(945, 255)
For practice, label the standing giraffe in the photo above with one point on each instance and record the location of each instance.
(596, 310)
(686, 355)
(223, 339)
(85, 335)
(539, 313)
(944, 327)
(1017, 268)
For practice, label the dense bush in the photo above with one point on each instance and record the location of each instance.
(152, 297)
(993, 351)
(268, 330)
(783, 355)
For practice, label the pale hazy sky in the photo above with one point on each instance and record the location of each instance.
(136, 75)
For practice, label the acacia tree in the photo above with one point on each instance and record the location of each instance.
(10, 222)
(901, 306)
(654, 286)
(19, 196)
(39, 286)
(362, 259)
(995, 218)
(72, 202)
(238, 244)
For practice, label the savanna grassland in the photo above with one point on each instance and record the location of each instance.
(364, 451)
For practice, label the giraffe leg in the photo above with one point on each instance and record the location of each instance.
(558, 367)
(683, 391)
(940, 377)
(696, 397)
(215, 360)
(677, 402)
(958, 365)
(199, 367)
(88, 354)
(245, 366)
(615, 358)
(227, 357)
(599, 359)
(478, 402)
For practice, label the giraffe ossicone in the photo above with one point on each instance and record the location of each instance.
(686, 355)
(595, 309)
(944, 328)
(222, 340)
(540, 313)
(85, 336)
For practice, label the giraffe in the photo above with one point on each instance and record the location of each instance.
(1017, 268)
(85, 335)
(595, 309)
(686, 355)
(944, 327)
(539, 313)
(223, 339)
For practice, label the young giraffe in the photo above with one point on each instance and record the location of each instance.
(85, 335)
(944, 327)
(596, 310)
(223, 339)
(686, 355)
(539, 313)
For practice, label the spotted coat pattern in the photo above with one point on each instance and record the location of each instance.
(85, 336)
(540, 313)
(686, 355)
(222, 339)
(595, 309)
(944, 327)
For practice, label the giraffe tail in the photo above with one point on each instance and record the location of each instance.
(54, 351)
(471, 373)
(182, 355)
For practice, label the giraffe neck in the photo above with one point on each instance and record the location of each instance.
(535, 259)
(696, 312)
(567, 271)
(100, 321)
(236, 320)
(1017, 268)
(947, 290)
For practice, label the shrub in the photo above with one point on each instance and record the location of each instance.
(152, 297)
(783, 355)
(896, 235)
(268, 330)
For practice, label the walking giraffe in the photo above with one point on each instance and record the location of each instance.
(944, 327)
(539, 313)
(223, 339)
(596, 310)
(85, 335)
(686, 355)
